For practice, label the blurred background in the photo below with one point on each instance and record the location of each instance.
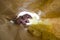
(10, 8)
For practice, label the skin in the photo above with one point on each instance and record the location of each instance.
(23, 19)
